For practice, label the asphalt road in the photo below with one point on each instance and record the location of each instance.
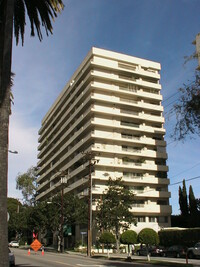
(50, 259)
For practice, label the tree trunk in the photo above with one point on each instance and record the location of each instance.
(117, 238)
(108, 254)
(6, 28)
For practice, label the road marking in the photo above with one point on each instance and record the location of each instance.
(63, 263)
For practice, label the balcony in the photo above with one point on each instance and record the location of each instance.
(154, 209)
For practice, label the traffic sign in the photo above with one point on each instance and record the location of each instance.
(36, 245)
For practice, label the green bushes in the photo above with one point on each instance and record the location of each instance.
(108, 239)
(148, 236)
(186, 237)
(128, 237)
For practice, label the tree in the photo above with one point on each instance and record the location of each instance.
(183, 201)
(26, 182)
(148, 237)
(188, 106)
(108, 239)
(74, 212)
(40, 13)
(180, 192)
(192, 203)
(19, 224)
(13, 209)
(187, 110)
(189, 213)
(113, 212)
(128, 237)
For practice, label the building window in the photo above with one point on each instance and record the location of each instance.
(152, 219)
(128, 161)
(138, 203)
(161, 174)
(140, 219)
(127, 66)
(162, 202)
(138, 189)
(131, 149)
(132, 174)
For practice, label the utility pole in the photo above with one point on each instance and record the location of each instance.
(89, 211)
(92, 162)
(63, 181)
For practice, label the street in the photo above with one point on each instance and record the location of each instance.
(75, 260)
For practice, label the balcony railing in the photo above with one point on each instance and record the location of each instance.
(131, 149)
(129, 112)
(128, 100)
(128, 136)
(130, 124)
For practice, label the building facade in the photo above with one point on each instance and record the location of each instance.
(109, 117)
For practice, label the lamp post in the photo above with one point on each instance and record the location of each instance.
(18, 202)
(63, 180)
(13, 152)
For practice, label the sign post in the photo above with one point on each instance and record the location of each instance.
(82, 234)
(36, 245)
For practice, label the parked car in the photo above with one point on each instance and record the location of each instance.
(11, 258)
(157, 251)
(153, 251)
(175, 251)
(14, 244)
(194, 252)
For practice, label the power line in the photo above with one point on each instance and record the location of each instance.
(180, 182)
(186, 170)
(171, 142)
(189, 179)
(170, 103)
(170, 96)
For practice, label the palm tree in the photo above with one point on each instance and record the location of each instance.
(13, 12)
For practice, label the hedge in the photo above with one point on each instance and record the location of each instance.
(186, 237)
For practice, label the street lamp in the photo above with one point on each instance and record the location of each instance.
(63, 180)
(13, 152)
(18, 201)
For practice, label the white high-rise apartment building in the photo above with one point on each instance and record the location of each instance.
(111, 108)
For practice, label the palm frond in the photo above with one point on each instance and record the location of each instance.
(32, 11)
(40, 13)
(19, 20)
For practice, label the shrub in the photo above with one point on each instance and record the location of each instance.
(107, 238)
(148, 236)
(128, 237)
(186, 237)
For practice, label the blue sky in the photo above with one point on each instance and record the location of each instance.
(158, 30)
